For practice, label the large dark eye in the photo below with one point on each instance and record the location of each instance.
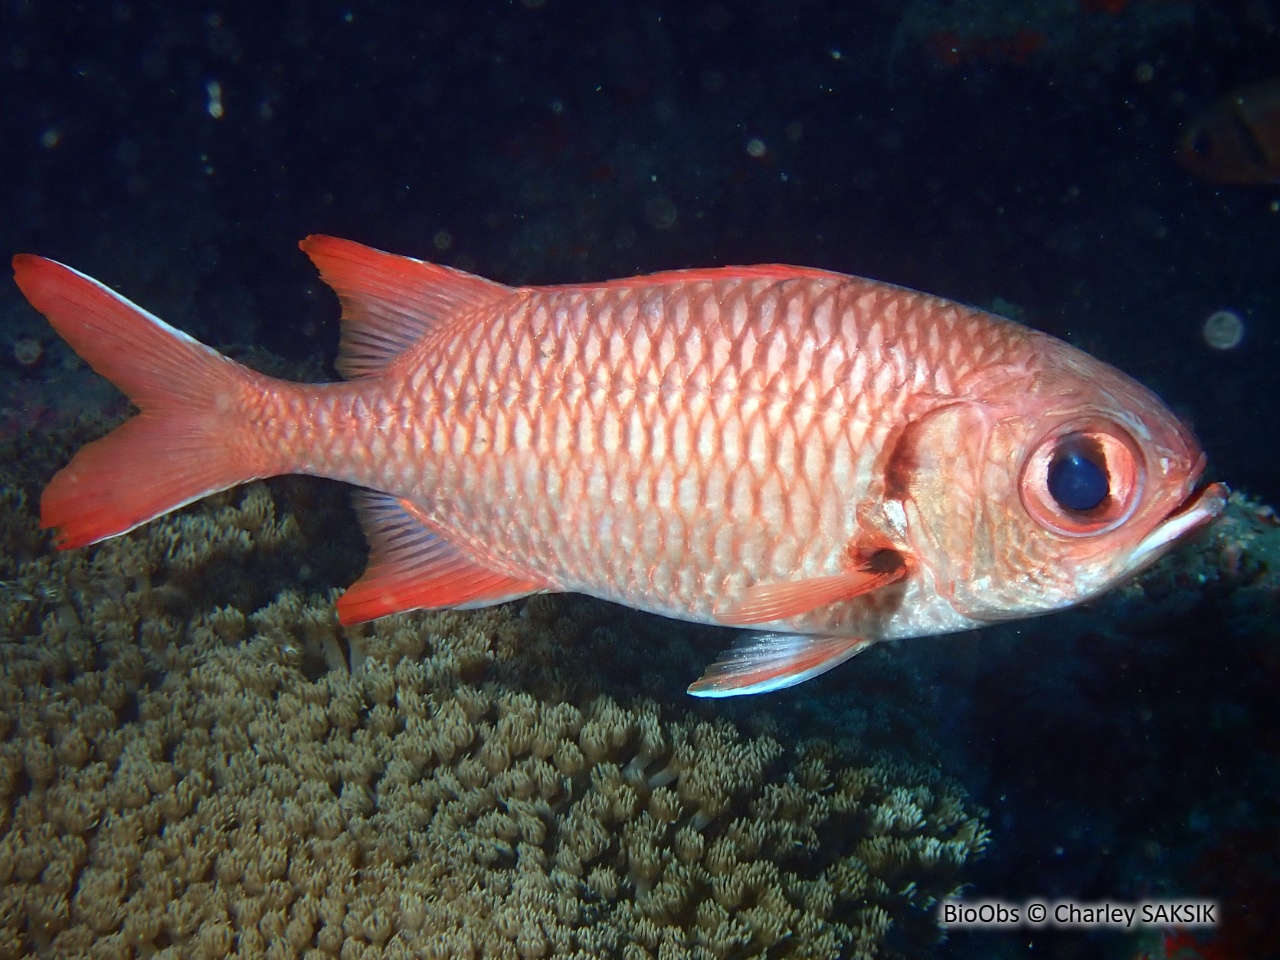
(1077, 478)
(1082, 479)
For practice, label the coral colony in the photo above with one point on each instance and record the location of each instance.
(186, 775)
(195, 758)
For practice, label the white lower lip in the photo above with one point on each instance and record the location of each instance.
(1208, 504)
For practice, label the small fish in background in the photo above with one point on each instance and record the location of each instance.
(1238, 139)
(825, 460)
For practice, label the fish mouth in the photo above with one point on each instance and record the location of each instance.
(1205, 503)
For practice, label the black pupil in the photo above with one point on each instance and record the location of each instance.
(1077, 477)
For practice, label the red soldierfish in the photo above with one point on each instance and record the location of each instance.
(1238, 139)
(828, 460)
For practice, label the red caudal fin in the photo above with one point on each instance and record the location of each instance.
(188, 439)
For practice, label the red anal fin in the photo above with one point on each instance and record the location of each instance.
(410, 568)
(765, 662)
(389, 302)
(767, 602)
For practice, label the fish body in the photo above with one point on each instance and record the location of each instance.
(825, 459)
(1238, 139)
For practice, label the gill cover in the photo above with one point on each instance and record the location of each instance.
(937, 471)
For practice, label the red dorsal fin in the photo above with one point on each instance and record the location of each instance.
(765, 662)
(767, 602)
(389, 302)
(759, 271)
(410, 568)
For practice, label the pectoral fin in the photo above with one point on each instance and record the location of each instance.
(766, 602)
(764, 662)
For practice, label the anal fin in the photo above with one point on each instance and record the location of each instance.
(410, 568)
(765, 662)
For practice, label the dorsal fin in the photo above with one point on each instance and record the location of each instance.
(410, 568)
(389, 302)
(758, 271)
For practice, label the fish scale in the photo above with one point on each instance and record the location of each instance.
(624, 444)
(828, 460)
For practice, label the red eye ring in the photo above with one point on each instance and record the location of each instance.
(1116, 453)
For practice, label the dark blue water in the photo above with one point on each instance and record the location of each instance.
(572, 141)
(1008, 153)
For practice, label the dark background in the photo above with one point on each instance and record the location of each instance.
(548, 141)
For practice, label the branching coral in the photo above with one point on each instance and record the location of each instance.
(194, 764)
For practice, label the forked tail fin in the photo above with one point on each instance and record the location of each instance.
(193, 436)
